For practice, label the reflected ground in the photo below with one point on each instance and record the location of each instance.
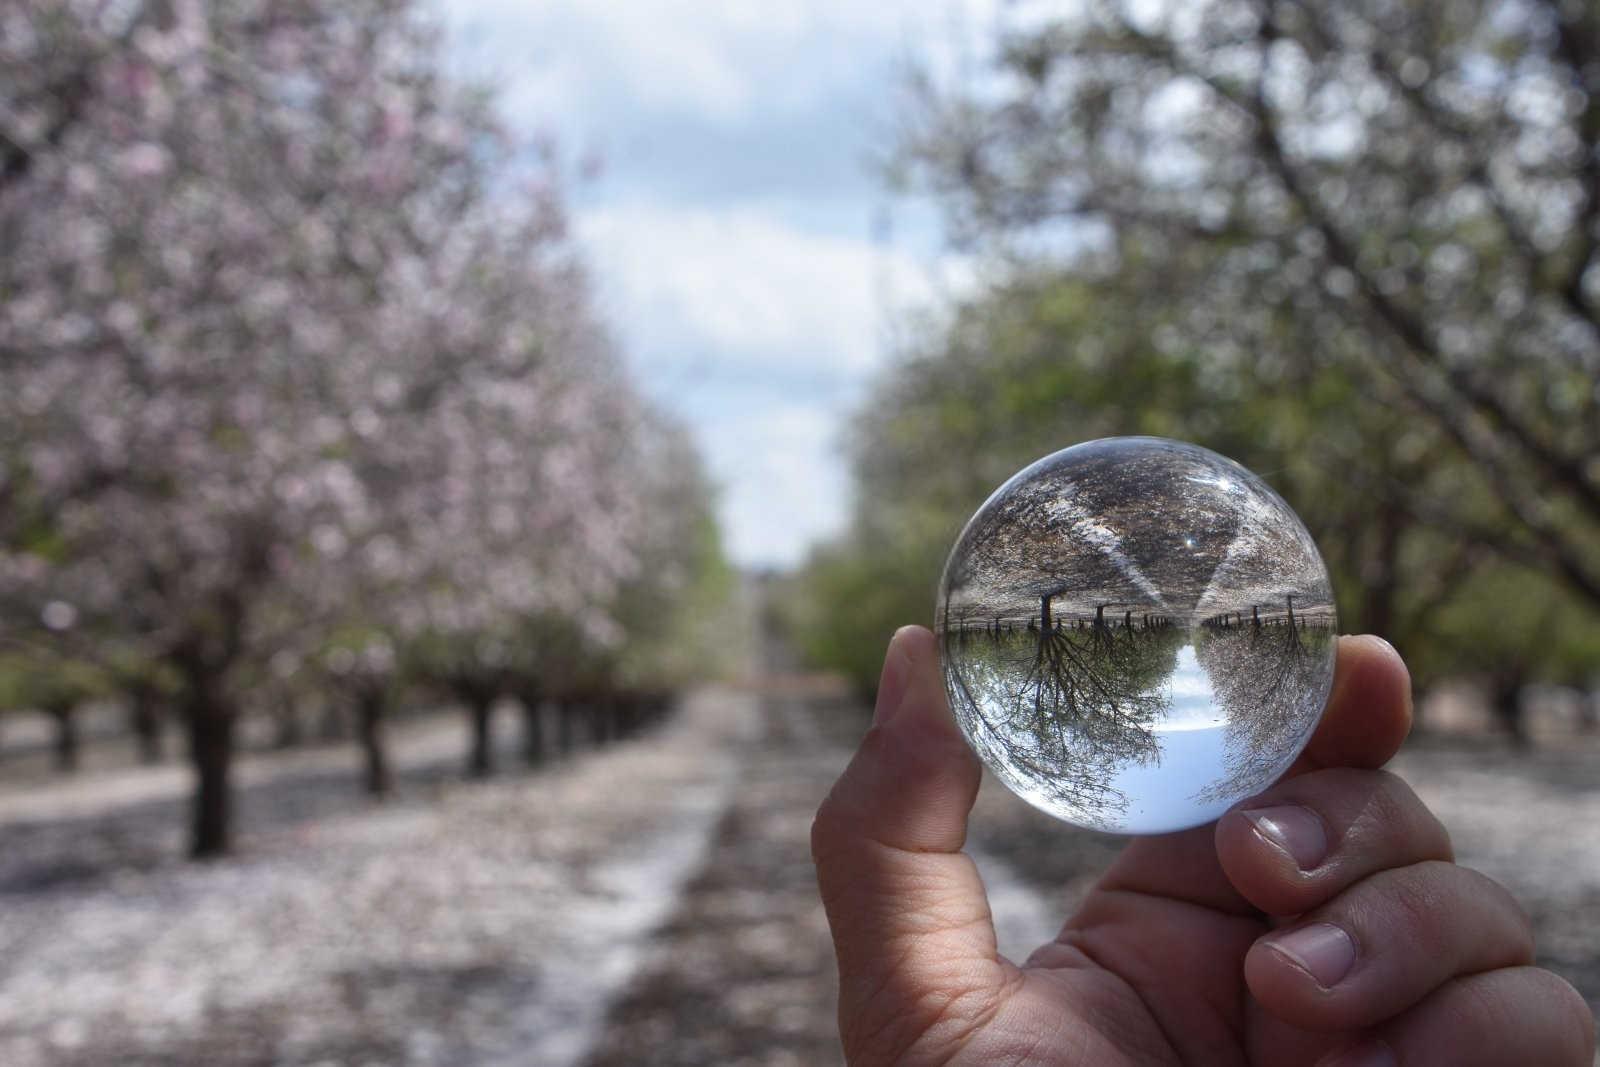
(1137, 633)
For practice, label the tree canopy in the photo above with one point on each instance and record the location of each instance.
(297, 358)
(1351, 245)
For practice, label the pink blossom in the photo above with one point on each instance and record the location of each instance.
(264, 360)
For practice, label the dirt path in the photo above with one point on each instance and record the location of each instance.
(651, 902)
(464, 923)
(1531, 822)
(742, 972)
(415, 746)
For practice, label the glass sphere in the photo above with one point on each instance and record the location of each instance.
(1136, 634)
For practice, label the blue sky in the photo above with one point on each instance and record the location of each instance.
(731, 224)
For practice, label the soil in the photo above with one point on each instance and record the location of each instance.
(648, 902)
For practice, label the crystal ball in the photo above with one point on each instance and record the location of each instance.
(1136, 633)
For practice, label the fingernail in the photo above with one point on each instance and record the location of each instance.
(1384, 641)
(892, 682)
(1322, 950)
(1292, 829)
(1366, 1054)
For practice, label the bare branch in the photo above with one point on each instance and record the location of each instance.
(1578, 44)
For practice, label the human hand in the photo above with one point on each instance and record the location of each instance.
(1322, 922)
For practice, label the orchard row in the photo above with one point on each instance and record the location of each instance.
(302, 384)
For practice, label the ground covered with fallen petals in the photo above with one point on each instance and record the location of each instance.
(649, 902)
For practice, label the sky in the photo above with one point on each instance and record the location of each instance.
(746, 249)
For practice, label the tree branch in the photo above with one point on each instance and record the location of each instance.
(1567, 471)
(1577, 45)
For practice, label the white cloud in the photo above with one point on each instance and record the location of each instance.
(745, 286)
(725, 61)
(783, 484)
(730, 232)
(765, 336)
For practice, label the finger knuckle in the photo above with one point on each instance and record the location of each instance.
(1393, 821)
(1444, 912)
(1572, 1026)
(822, 830)
(1402, 808)
(1416, 899)
(832, 829)
(1552, 1020)
(1576, 1022)
(1501, 903)
(1393, 803)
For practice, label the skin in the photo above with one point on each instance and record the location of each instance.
(1184, 952)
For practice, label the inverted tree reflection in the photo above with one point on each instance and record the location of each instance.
(1269, 669)
(1059, 705)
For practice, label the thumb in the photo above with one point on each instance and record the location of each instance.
(918, 964)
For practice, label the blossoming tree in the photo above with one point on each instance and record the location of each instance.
(291, 348)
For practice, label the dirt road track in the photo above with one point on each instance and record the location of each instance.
(652, 902)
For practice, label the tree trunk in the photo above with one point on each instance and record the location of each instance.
(289, 729)
(379, 779)
(146, 721)
(1382, 577)
(532, 727)
(1506, 701)
(608, 725)
(210, 724)
(480, 763)
(565, 722)
(331, 726)
(66, 741)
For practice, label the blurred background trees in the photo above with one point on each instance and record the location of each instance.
(314, 432)
(1351, 245)
(300, 378)
(308, 416)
